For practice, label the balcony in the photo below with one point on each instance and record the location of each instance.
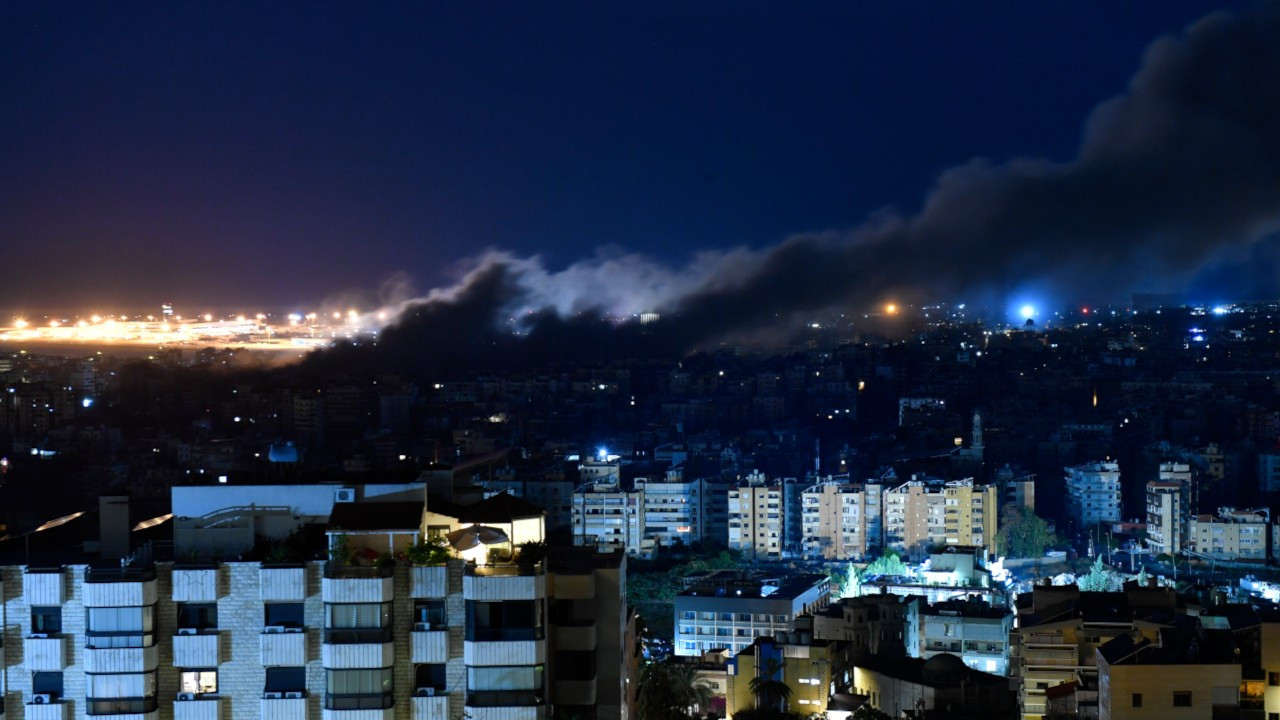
(512, 652)
(282, 583)
(139, 708)
(201, 708)
(283, 708)
(120, 660)
(429, 646)
(44, 587)
(47, 711)
(45, 653)
(358, 655)
(195, 583)
(197, 650)
(504, 582)
(576, 637)
(353, 584)
(429, 581)
(119, 587)
(430, 708)
(283, 648)
(505, 705)
(359, 707)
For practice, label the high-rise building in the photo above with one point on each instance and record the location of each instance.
(1093, 494)
(756, 517)
(924, 513)
(1165, 504)
(842, 520)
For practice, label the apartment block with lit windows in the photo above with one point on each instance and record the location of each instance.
(928, 513)
(1231, 534)
(842, 520)
(757, 518)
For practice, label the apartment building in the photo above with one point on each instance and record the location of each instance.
(926, 513)
(1231, 534)
(1093, 494)
(672, 509)
(757, 525)
(729, 609)
(812, 670)
(974, 631)
(883, 624)
(608, 516)
(1184, 672)
(842, 520)
(1165, 509)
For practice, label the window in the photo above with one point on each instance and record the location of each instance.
(46, 620)
(122, 693)
(429, 676)
(357, 622)
(47, 683)
(286, 679)
(504, 686)
(504, 621)
(200, 616)
(1273, 679)
(430, 612)
(120, 627)
(358, 689)
(1182, 699)
(1137, 699)
(198, 682)
(575, 664)
(278, 614)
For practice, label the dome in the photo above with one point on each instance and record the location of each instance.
(944, 669)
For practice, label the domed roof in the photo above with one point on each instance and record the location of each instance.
(944, 668)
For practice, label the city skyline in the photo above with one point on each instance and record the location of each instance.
(266, 157)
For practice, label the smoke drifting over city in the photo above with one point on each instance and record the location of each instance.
(1176, 173)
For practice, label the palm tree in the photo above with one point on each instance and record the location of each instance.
(769, 688)
(687, 690)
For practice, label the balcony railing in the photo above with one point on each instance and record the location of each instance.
(377, 701)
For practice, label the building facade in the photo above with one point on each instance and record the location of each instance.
(730, 609)
(842, 521)
(757, 525)
(1093, 494)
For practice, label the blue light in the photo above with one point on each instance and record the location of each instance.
(86, 402)
(1220, 310)
(1028, 312)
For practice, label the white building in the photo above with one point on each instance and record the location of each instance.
(757, 522)
(1093, 494)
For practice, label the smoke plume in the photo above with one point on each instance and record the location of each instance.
(1181, 168)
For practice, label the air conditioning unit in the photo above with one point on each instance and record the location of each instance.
(188, 631)
(426, 692)
(273, 629)
(272, 696)
(296, 695)
(186, 696)
(39, 635)
(293, 629)
(41, 699)
(422, 626)
(344, 495)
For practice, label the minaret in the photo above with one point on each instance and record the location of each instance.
(976, 443)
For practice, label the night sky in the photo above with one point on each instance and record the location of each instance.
(242, 155)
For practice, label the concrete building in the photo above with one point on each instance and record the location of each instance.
(954, 573)
(974, 631)
(927, 513)
(942, 686)
(1165, 508)
(812, 670)
(1231, 534)
(757, 525)
(883, 624)
(842, 520)
(1183, 673)
(730, 609)
(672, 509)
(1093, 494)
(606, 515)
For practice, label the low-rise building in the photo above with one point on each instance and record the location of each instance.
(812, 671)
(729, 609)
(1232, 534)
(884, 624)
(942, 686)
(1185, 672)
(974, 631)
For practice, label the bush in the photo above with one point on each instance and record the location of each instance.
(429, 551)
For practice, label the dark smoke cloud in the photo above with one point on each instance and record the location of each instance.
(1180, 168)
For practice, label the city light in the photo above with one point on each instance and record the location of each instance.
(1028, 312)
(891, 309)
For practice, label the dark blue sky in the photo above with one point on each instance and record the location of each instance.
(269, 153)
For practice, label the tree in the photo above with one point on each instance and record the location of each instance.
(669, 691)
(1022, 533)
(1100, 578)
(770, 690)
